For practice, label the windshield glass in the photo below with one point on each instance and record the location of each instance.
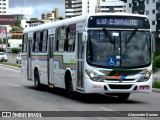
(116, 48)
(2, 54)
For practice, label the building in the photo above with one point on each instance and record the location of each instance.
(151, 8)
(18, 16)
(28, 23)
(78, 7)
(73, 8)
(51, 15)
(4, 6)
(112, 6)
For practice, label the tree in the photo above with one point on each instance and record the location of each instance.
(18, 23)
(0, 41)
(33, 19)
(60, 18)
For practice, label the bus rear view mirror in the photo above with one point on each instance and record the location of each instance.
(84, 37)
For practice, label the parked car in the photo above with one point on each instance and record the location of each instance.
(18, 58)
(3, 57)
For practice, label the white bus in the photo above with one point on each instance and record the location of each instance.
(100, 53)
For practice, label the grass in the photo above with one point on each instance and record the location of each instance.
(11, 64)
(156, 84)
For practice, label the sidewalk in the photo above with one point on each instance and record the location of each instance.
(157, 74)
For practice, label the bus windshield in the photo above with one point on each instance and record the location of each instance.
(119, 48)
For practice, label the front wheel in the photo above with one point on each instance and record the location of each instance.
(123, 96)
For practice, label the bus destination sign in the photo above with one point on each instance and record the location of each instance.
(118, 21)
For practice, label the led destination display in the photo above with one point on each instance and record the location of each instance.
(118, 21)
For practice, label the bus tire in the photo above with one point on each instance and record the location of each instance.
(37, 84)
(123, 96)
(69, 87)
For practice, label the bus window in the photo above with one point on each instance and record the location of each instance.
(71, 33)
(44, 44)
(33, 43)
(40, 43)
(61, 37)
(37, 42)
(24, 43)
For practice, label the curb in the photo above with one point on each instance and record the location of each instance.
(16, 68)
(155, 90)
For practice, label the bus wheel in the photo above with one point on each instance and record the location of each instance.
(123, 96)
(37, 84)
(69, 88)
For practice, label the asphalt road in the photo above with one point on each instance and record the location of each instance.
(18, 94)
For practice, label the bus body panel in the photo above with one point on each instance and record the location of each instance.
(78, 66)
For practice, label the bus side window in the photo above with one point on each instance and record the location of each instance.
(40, 42)
(24, 45)
(61, 37)
(33, 42)
(44, 41)
(71, 36)
(37, 41)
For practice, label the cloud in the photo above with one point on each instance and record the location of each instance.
(21, 10)
(34, 8)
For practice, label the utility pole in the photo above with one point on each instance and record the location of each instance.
(5, 27)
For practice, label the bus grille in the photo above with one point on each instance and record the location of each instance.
(120, 86)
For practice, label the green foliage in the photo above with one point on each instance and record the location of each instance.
(156, 62)
(156, 84)
(157, 45)
(18, 23)
(16, 50)
(1, 50)
(4, 40)
(60, 18)
(33, 19)
(17, 37)
(11, 64)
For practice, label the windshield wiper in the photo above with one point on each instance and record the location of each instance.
(131, 36)
(109, 36)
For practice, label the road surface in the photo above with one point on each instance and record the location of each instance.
(18, 94)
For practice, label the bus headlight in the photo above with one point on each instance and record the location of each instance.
(145, 77)
(93, 76)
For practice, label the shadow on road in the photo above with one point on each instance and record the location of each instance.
(87, 98)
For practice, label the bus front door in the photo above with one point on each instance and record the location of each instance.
(29, 65)
(80, 62)
(50, 60)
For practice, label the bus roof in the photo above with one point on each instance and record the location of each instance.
(74, 20)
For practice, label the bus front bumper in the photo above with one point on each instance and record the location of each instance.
(118, 87)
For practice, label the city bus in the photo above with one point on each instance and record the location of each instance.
(105, 53)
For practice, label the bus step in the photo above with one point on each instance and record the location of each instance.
(80, 90)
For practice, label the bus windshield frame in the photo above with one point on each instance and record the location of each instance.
(119, 48)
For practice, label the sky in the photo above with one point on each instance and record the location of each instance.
(34, 8)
